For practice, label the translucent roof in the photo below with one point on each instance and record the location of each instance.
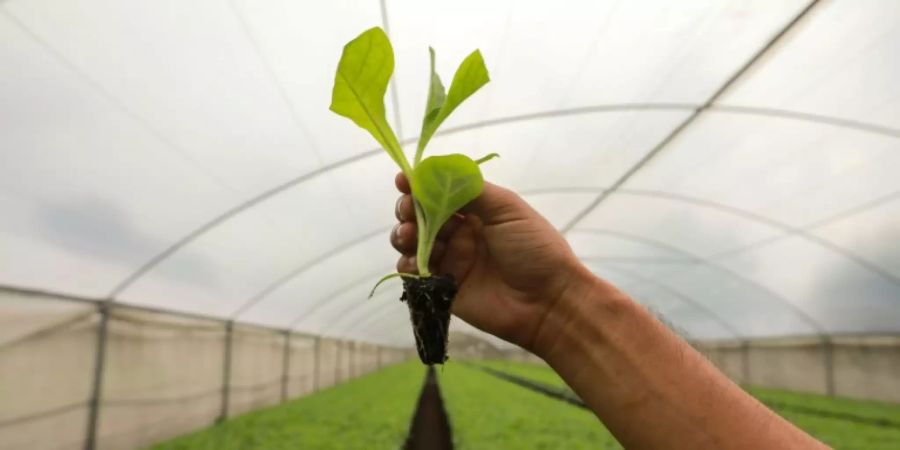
(732, 165)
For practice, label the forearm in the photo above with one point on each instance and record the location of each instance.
(648, 386)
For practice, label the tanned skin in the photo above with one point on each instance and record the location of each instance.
(519, 280)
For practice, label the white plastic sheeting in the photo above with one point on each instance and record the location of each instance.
(181, 155)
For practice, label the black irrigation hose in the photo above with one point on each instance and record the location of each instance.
(849, 417)
(559, 394)
(570, 397)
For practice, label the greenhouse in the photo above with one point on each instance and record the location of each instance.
(190, 234)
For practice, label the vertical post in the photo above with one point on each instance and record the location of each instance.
(316, 362)
(226, 370)
(745, 362)
(285, 365)
(352, 369)
(337, 361)
(828, 360)
(378, 357)
(90, 442)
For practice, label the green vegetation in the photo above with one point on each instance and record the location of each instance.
(811, 412)
(440, 184)
(840, 433)
(531, 371)
(372, 412)
(486, 412)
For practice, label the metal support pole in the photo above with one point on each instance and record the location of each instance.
(316, 362)
(352, 369)
(337, 362)
(828, 360)
(226, 370)
(745, 362)
(378, 358)
(285, 365)
(90, 442)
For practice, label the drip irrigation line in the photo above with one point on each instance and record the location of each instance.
(570, 397)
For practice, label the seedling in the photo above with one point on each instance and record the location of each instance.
(441, 185)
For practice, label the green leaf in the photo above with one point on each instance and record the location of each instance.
(388, 277)
(487, 158)
(360, 83)
(436, 95)
(470, 76)
(442, 185)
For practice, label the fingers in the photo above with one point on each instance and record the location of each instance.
(404, 209)
(497, 205)
(403, 238)
(402, 183)
(407, 264)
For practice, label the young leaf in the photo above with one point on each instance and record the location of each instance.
(388, 277)
(442, 185)
(470, 76)
(487, 158)
(359, 85)
(436, 95)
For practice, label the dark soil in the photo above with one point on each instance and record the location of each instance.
(430, 429)
(429, 300)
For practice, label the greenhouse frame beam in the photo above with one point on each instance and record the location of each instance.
(236, 210)
(664, 143)
(306, 265)
(787, 230)
(814, 324)
(285, 186)
(289, 104)
(693, 303)
(325, 299)
(395, 96)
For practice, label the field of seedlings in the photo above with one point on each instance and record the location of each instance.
(494, 405)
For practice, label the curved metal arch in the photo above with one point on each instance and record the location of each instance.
(351, 309)
(324, 300)
(661, 145)
(306, 265)
(348, 310)
(683, 298)
(224, 216)
(810, 321)
(758, 218)
(370, 323)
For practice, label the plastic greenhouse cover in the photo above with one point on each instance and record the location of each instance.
(181, 155)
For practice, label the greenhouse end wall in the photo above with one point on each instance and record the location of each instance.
(162, 375)
(862, 367)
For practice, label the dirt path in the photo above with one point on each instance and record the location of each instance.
(430, 428)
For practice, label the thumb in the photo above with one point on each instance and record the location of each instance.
(497, 205)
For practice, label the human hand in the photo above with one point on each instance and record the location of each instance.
(512, 266)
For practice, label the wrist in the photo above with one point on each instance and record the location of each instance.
(577, 319)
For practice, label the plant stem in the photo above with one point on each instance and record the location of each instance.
(423, 250)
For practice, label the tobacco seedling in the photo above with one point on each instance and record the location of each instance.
(441, 185)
